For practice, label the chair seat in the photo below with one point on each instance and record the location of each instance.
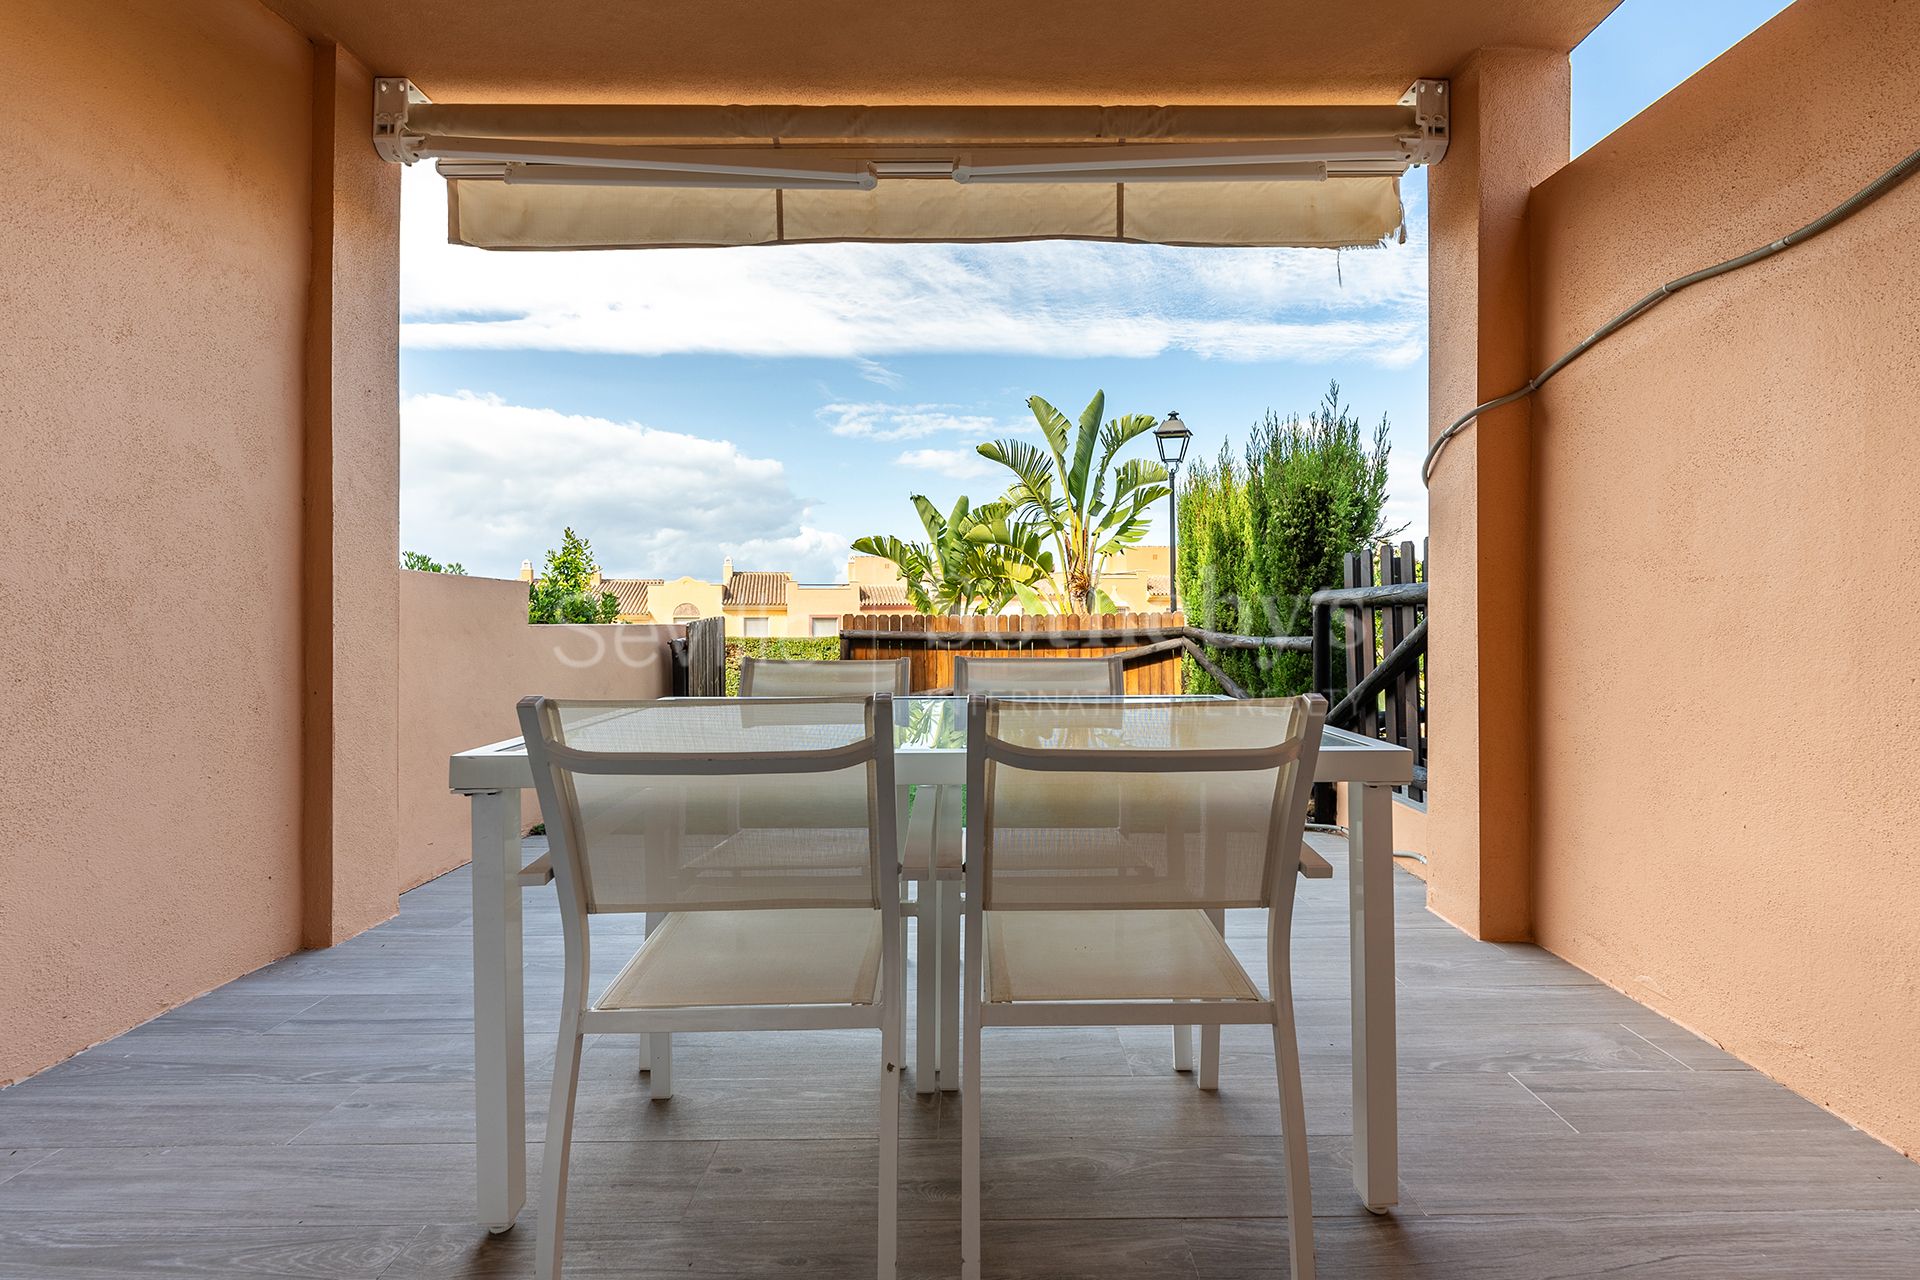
(698, 959)
(1110, 955)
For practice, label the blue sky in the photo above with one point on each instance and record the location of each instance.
(677, 407)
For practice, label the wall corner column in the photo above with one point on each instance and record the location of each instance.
(350, 517)
(1510, 118)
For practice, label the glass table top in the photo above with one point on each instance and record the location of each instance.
(938, 722)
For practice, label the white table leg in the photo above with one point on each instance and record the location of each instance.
(657, 1053)
(1376, 1123)
(499, 1043)
(949, 1015)
(926, 988)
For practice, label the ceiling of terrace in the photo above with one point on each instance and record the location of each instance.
(1277, 52)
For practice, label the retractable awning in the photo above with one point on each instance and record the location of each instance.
(602, 177)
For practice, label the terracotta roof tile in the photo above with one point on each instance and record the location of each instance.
(758, 590)
(891, 596)
(631, 592)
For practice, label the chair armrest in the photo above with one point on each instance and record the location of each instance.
(1313, 866)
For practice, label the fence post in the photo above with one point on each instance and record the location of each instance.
(1323, 797)
(1323, 650)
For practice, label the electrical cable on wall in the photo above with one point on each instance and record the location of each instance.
(1832, 218)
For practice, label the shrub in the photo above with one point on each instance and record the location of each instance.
(1261, 533)
(564, 592)
(813, 647)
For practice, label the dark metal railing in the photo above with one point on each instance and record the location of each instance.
(1384, 609)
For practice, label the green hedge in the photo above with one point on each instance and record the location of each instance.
(1264, 528)
(814, 647)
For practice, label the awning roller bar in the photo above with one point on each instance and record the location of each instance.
(824, 147)
(1038, 125)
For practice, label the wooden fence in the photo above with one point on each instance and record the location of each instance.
(700, 660)
(1150, 644)
(1397, 712)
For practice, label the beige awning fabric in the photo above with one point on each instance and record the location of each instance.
(630, 177)
(1336, 213)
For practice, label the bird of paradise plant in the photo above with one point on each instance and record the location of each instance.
(1075, 495)
(974, 559)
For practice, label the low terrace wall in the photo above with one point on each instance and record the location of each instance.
(467, 655)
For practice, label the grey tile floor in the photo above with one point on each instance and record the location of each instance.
(314, 1119)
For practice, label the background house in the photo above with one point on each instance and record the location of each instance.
(759, 602)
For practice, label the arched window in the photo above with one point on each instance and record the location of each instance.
(685, 613)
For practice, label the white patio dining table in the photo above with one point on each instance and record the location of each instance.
(930, 748)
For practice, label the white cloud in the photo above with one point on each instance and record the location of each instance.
(865, 302)
(491, 483)
(875, 372)
(881, 421)
(1406, 503)
(955, 464)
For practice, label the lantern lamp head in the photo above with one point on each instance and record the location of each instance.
(1171, 437)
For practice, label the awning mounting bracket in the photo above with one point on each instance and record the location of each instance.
(1429, 100)
(393, 96)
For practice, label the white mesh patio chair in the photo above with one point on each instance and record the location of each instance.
(809, 678)
(765, 833)
(1066, 801)
(1043, 677)
(786, 678)
(1010, 677)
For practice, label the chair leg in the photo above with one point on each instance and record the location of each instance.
(551, 1243)
(1183, 1048)
(1293, 1121)
(926, 986)
(1209, 1078)
(970, 1116)
(892, 1044)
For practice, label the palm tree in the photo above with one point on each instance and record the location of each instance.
(974, 560)
(1075, 495)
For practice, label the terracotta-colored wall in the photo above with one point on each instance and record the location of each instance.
(1509, 130)
(152, 311)
(467, 655)
(352, 512)
(1727, 731)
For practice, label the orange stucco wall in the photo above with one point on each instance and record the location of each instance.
(467, 655)
(1509, 130)
(352, 512)
(152, 312)
(1727, 499)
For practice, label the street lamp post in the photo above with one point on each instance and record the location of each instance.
(1171, 438)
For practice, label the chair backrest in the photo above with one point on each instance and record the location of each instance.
(803, 678)
(708, 803)
(1139, 803)
(1040, 677)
